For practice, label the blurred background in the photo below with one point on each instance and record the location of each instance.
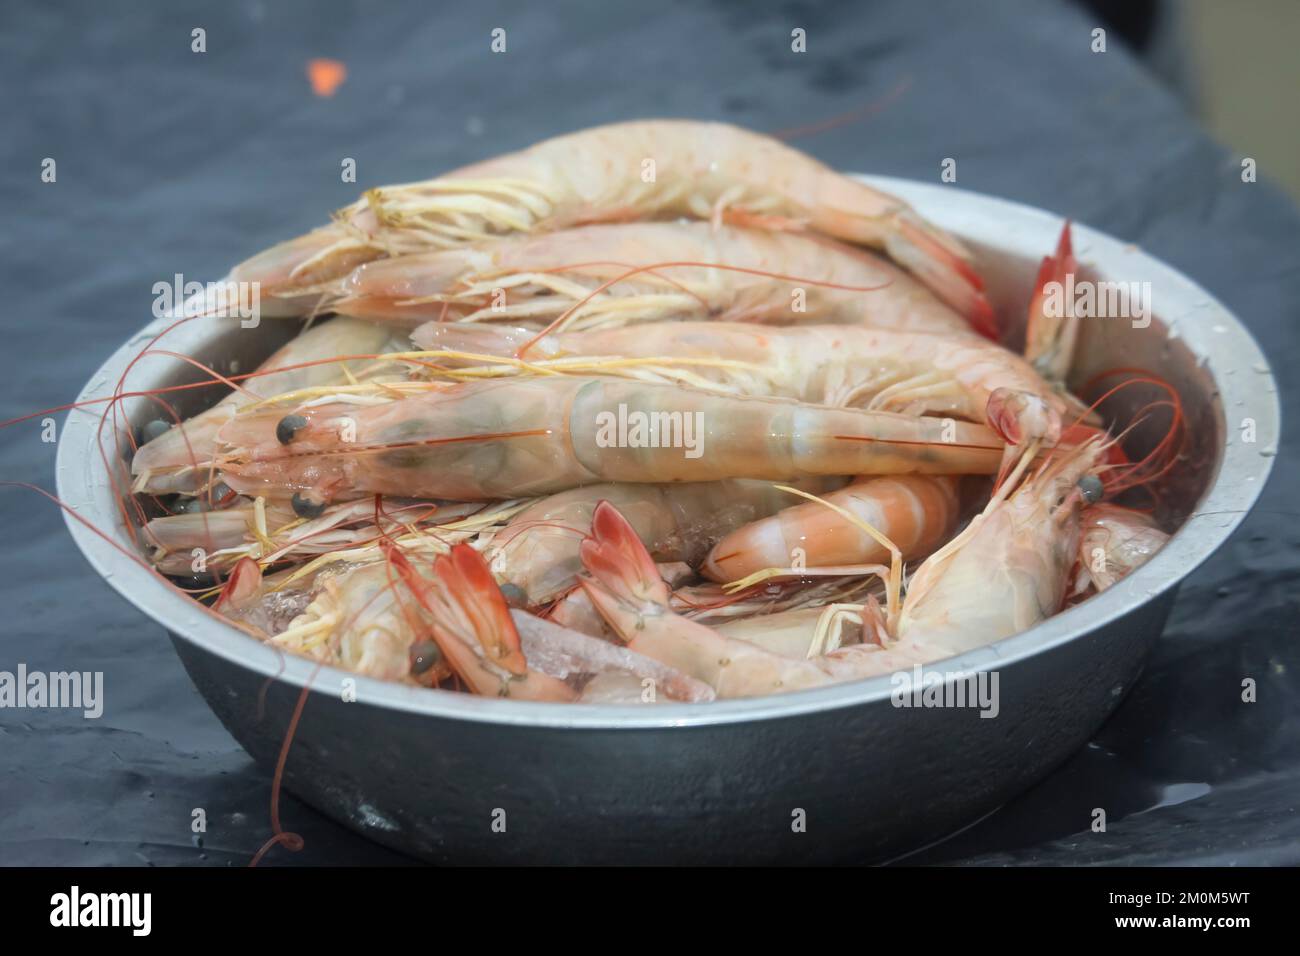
(1235, 65)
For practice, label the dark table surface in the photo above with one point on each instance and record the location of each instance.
(173, 161)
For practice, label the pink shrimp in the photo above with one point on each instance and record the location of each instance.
(518, 437)
(535, 556)
(643, 272)
(887, 370)
(1005, 573)
(176, 460)
(1115, 541)
(915, 512)
(637, 170)
(500, 653)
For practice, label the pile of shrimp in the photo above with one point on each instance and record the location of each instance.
(657, 411)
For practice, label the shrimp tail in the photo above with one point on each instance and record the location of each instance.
(1050, 333)
(625, 584)
(469, 607)
(473, 628)
(941, 265)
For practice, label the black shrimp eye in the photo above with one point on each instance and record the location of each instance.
(305, 507)
(1091, 488)
(424, 656)
(289, 426)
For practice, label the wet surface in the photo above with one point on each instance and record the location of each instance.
(171, 161)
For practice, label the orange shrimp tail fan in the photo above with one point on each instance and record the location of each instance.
(467, 606)
(619, 562)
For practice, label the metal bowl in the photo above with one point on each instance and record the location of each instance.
(833, 774)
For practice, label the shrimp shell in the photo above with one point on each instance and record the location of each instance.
(707, 171)
(759, 276)
(516, 438)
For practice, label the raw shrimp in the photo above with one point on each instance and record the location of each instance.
(176, 460)
(498, 653)
(535, 557)
(800, 631)
(225, 531)
(362, 619)
(908, 372)
(376, 619)
(657, 169)
(293, 274)
(347, 615)
(764, 277)
(1009, 568)
(525, 436)
(575, 611)
(272, 531)
(1115, 542)
(915, 512)
(1005, 573)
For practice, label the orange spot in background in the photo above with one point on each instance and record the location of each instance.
(326, 76)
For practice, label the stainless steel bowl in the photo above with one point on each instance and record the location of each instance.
(450, 777)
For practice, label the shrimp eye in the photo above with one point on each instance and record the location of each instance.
(424, 656)
(305, 507)
(1091, 488)
(289, 426)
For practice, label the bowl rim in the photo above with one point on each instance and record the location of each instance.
(1215, 336)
